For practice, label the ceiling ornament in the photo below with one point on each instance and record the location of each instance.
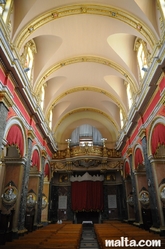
(87, 110)
(91, 9)
(80, 59)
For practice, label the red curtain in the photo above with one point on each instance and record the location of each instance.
(87, 196)
(127, 169)
(35, 159)
(158, 137)
(15, 137)
(46, 170)
(138, 158)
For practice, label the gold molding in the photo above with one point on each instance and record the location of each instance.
(80, 59)
(88, 109)
(142, 133)
(6, 99)
(87, 88)
(129, 151)
(44, 153)
(31, 134)
(91, 9)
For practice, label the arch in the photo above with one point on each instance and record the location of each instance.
(81, 59)
(15, 134)
(138, 157)
(35, 159)
(158, 137)
(70, 10)
(158, 122)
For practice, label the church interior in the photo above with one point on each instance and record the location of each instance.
(82, 120)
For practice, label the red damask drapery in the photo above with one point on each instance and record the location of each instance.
(15, 137)
(87, 196)
(36, 159)
(158, 137)
(138, 158)
(127, 169)
(46, 170)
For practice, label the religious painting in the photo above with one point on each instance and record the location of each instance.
(162, 193)
(63, 178)
(10, 195)
(31, 200)
(144, 198)
(110, 177)
(44, 201)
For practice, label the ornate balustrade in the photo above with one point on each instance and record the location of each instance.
(86, 157)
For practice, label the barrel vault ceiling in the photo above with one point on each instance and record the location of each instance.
(84, 55)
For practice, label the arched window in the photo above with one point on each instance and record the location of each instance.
(28, 58)
(121, 119)
(140, 47)
(162, 4)
(129, 94)
(50, 119)
(42, 96)
(5, 9)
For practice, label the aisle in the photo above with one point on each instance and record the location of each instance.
(88, 238)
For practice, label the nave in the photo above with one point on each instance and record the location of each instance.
(84, 236)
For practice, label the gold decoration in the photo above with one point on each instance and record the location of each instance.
(59, 165)
(63, 178)
(31, 134)
(6, 99)
(94, 9)
(142, 133)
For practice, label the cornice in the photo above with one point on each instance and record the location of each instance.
(88, 109)
(91, 9)
(151, 81)
(22, 84)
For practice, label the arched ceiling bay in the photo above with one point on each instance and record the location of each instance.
(84, 57)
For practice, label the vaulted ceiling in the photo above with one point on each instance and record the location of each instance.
(84, 55)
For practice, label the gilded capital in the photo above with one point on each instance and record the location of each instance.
(44, 153)
(5, 98)
(142, 133)
(129, 151)
(31, 134)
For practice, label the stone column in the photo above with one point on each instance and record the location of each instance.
(151, 183)
(41, 183)
(25, 180)
(5, 103)
(134, 189)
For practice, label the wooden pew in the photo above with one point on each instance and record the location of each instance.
(59, 236)
(116, 230)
